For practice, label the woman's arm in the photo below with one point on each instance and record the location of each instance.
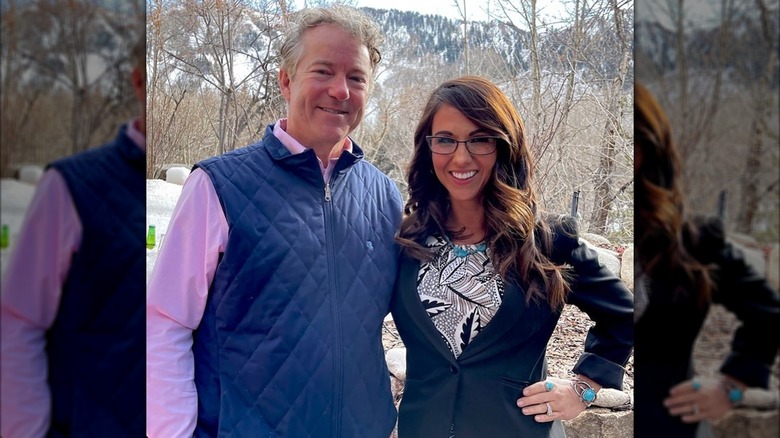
(605, 299)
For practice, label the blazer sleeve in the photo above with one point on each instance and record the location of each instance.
(604, 298)
(747, 294)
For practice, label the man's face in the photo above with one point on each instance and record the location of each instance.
(327, 94)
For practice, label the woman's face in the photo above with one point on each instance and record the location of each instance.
(463, 175)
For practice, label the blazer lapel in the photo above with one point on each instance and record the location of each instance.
(513, 311)
(411, 304)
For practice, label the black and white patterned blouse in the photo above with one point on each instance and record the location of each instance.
(460, 291)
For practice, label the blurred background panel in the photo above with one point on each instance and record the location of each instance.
(73, 333)
(713, 67)
(65, 69)
(64, 87)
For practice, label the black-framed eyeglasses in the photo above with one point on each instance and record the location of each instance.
(482, 145)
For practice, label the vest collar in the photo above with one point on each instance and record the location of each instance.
(308, 160)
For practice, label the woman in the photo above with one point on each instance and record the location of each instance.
(684, 265)
(482, 281)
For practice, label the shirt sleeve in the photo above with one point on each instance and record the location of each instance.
(31, 291)
(177, 292)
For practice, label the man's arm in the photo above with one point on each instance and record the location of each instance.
(177, 292)
(31, 291)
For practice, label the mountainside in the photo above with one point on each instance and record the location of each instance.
(740, 46)
(413, 36)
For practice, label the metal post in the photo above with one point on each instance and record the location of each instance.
(722, 205)
(575, 199)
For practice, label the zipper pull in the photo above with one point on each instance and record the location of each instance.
(327, 191)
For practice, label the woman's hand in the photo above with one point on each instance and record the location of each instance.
(699, 399)
(552, 399)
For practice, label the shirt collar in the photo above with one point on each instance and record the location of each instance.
(295, 147)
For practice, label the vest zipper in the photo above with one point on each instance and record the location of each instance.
(327, 191)
(335, 296)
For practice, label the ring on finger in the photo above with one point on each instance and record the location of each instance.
(549, 410)
(549, 385)
(695, 409)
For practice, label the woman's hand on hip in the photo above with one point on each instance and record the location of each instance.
(699, 399)
(551, 399)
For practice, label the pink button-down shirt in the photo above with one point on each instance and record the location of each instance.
(177, 292)
(31, 290)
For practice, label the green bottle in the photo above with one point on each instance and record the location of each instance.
(4, 237)
(151, 237)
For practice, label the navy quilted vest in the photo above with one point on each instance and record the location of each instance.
(96, 346)
(290, 341)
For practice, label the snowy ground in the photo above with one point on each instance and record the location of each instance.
(161, 198)
(15, 196)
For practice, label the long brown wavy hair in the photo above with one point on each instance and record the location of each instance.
(519, 242)
(663, 234)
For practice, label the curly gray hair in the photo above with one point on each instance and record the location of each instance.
(348, 19)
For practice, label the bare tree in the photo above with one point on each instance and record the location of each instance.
(387, 131)
(616, 106)
(722, 105)
(762, 110)
(226, 44)
(65, 55)
(579, 62)
(17, 101)
(462, 11)
(691, 94)
(70, 59)
(560, 78)
(527, 12)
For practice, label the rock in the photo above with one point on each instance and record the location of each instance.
(596, 239)
(742, 239)
(396, 362)
(30, 174)
(627, 267)
(760, 398)
(394, 433)
(397, 389)
(602, 423)
(607, 258)
(746, 423)
(177, 175)
(613, 398)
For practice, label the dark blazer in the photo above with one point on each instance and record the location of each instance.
(668, 328)
(478, 391)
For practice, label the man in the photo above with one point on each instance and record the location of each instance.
(73, 294)
(266, 302)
